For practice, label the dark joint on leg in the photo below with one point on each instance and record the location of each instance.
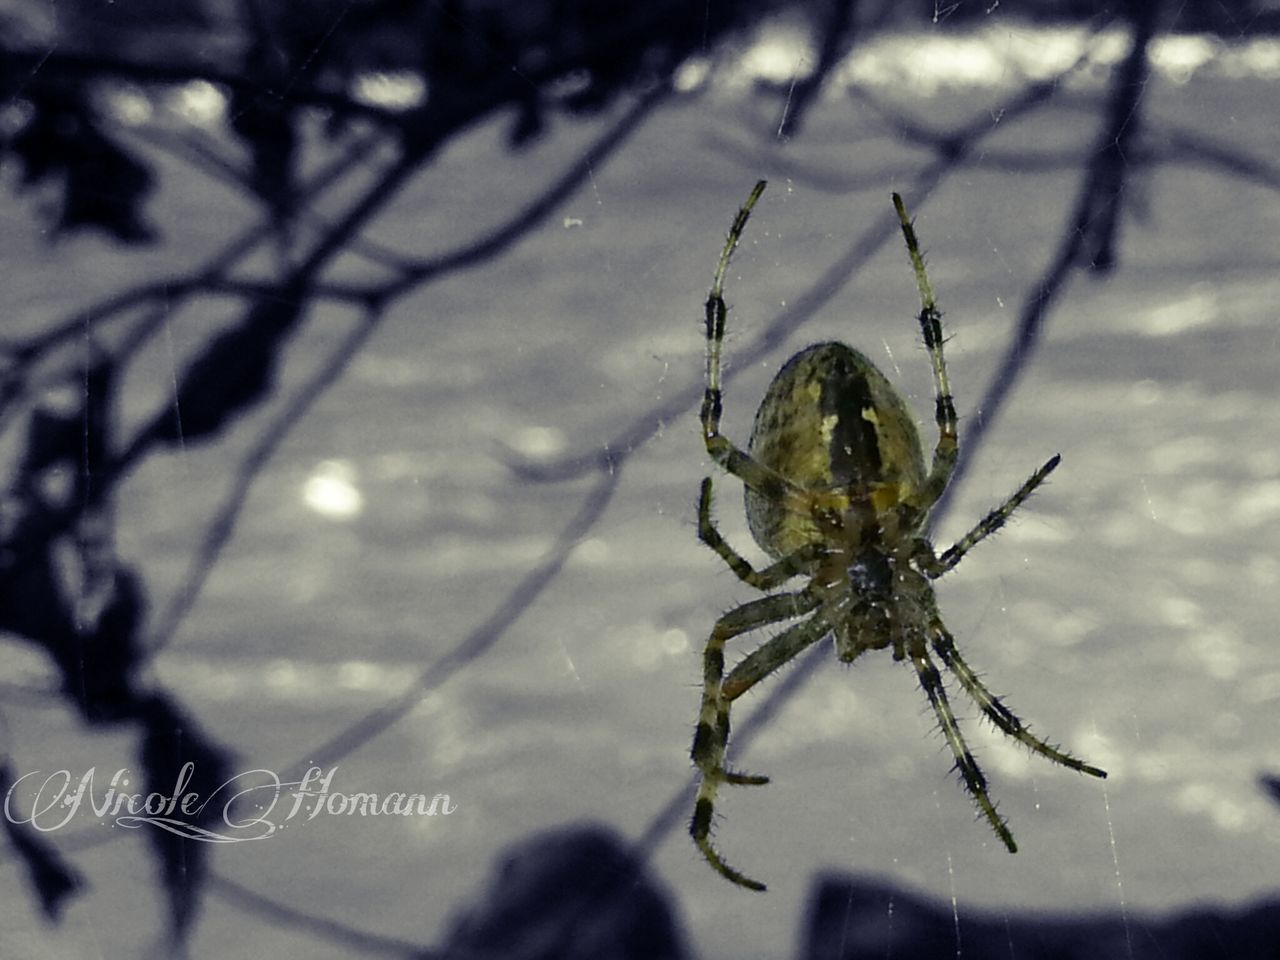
(716, 314)
(703, 737)
(701, 825)
(931, 327)
(711, 406)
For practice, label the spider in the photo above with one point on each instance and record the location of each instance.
(836, 491)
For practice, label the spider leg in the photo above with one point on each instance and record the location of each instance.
(974, 780)
(712, 735)
(772, 654)
(717, 313)
(989, 524)
(997, 712)
(757, 476)
(947, 449)
(770, 577)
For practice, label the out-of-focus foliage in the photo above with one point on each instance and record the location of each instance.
(279, 68)
(278, 61)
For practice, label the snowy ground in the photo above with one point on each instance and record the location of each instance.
(1127, 615)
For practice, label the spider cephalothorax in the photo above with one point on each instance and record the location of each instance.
(837, 491)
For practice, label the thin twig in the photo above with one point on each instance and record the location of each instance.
(958, 146)
(476, 643)
(219, 530)
(1087, 242)
(282, 914)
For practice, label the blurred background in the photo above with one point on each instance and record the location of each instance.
(349, 376)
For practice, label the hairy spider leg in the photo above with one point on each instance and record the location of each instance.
(989, 524)
(772, 576)
(772, 654)
(974, 780)
(721, 449)
(713, 718)
(717, 312)
(947, 449)
(712, 732)
(1004, 718)
(711, 738)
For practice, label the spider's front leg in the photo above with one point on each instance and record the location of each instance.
(720, 448)
(947, 450)
(717, 313)
(992, 522)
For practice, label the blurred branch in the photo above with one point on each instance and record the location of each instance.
(165, 294)
(281, 914)
(499, 240)
(479, 641)
(219, 530)
(39, 64)
(1187, 147)
(473, 646)
(1088, 238)
(837, 36)
(957, 147)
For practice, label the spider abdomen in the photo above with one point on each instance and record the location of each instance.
(831, 420)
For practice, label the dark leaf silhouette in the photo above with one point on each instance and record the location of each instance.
(32, 604)
(569, 894)
(235, 372)
(851, 917)
(103, 185)
(52, 877)
(1271, 784)
(170, 741)
(53, 439)
(98, 660)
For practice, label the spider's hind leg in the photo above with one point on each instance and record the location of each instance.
(711, 738)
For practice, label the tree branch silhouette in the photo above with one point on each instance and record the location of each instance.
(222, 525)
(1088, 238)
